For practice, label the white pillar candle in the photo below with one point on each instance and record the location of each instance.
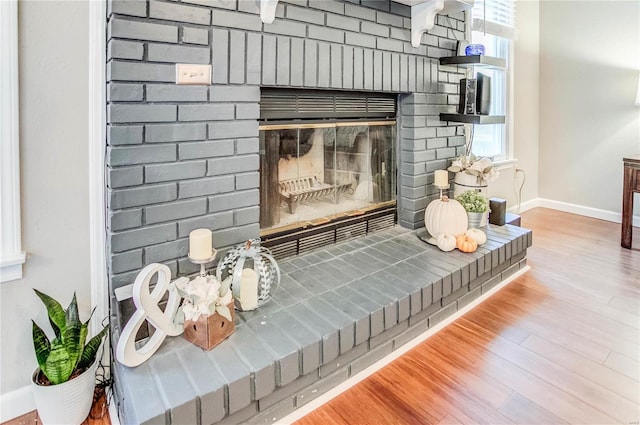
(249, 289)
(200, 244)
(441, 178)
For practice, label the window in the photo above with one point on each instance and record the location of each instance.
(492, 26)
(11, 255)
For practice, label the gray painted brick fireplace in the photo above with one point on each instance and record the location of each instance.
(185, 157)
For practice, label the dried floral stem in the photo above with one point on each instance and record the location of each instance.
(468, 139)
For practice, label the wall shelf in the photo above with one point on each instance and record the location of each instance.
(473, 119)
(475, 60)
(471, 61)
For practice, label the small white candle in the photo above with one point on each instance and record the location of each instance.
(249, 289)
(441, 178)
(200, 244)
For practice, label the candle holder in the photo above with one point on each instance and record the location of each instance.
(250, 255)
(204, 261)
(441, 188)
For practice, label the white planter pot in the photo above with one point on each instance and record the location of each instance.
(67, 403)
(463, 182)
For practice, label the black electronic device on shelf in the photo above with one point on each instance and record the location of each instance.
(467, 103)
(483, 94)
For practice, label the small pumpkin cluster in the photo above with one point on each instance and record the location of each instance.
(465, 242)
(446, 220)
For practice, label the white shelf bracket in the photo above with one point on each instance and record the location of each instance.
(268, 10)
(423, 17)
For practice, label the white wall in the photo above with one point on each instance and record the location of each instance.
(54, 181)
(589, 65)
(526, 90)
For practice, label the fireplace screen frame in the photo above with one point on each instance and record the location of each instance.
(310, 109)
(351, 163)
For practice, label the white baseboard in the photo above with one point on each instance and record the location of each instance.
(526, 205)
(600, 214)
(16, 403)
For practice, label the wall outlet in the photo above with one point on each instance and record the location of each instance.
(193, 74)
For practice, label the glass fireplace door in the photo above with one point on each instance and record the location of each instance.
(311, 174)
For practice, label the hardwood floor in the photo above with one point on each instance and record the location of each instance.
(560, 344)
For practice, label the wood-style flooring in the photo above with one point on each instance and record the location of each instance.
(559, 344)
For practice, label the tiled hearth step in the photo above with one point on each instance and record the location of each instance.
(337, 311)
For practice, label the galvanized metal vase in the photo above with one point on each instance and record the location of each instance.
(474, 219)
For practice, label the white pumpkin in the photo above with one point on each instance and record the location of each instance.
(477, 235)
(446, 242)
(445, 216)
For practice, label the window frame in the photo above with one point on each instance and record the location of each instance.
(506, 156)
(11, 255)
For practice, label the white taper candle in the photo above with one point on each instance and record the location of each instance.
(249, 289)
(441, 178)
(200, 244)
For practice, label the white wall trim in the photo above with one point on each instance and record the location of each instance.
(504, 164)
(97, 137)
(11, 255)
(600, 214)
(525, 206)
(97, 187)
(16, 403)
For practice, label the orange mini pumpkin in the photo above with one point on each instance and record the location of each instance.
(466, 243)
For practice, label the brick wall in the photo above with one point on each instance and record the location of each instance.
(184, 157)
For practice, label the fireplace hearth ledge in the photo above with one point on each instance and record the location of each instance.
(337, 311)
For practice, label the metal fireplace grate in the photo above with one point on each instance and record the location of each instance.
(308, 239)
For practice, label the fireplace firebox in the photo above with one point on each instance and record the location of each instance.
(327, 164)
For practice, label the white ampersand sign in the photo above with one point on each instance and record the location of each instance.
(146, 303)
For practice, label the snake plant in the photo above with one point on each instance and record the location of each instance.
(60, 357)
